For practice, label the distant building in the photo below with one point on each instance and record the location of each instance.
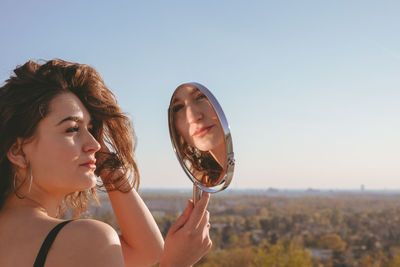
(158, 213)
(362, 188)
(311, 190)
(272, 190)
(321, 254)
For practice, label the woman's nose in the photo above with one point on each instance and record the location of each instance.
(193, 114)
(91, 145)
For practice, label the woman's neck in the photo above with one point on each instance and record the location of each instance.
(46, 207)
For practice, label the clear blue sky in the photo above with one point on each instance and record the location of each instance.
(311, 89)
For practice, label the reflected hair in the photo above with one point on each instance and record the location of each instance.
(24, 102)
(201, 163)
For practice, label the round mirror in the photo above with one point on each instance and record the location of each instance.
(201, 138)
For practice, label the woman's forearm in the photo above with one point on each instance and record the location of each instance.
(141, 239)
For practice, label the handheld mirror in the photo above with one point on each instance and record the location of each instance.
(201, 138)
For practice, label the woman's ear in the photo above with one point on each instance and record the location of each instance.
(15, 154)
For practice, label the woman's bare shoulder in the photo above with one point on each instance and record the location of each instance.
(86, 242)
(93, 230)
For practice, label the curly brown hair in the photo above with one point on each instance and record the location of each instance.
(24, 102)
(201, 163)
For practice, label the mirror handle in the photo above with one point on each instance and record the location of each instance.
(196, 194)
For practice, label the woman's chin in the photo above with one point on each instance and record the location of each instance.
(93, 181)
(89, 182)
(206, 146)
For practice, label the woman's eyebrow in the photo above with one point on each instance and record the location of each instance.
(193, 92)
(71, 118)
(175, 100)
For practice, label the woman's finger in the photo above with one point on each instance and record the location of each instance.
(204, 222)
(183, 218)
(198, 211)
(204, 231)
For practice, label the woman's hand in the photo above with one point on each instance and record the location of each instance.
(101, 157)
(188, 239)
(109, 168)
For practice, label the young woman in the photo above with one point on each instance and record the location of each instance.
(199, 135)
(61, 128)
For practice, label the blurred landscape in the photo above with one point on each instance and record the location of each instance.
(288, 227)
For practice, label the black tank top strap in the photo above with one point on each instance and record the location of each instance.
(44, 250)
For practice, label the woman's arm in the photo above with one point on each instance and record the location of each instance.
(141, 241)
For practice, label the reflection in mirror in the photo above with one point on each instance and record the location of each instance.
(198, 135)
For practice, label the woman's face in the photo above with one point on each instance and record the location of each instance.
(62, 152)
(195, 119)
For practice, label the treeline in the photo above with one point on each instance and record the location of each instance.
(318, 229)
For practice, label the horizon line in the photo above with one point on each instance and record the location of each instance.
(309, 189)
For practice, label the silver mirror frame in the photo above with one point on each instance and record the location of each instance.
(230, 164)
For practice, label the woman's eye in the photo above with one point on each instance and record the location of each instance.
(90, 128)
(177, 108)
(200, 97)
(73, 129)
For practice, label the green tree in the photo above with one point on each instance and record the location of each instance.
(395, 261)
(332, 241)
(279, 255)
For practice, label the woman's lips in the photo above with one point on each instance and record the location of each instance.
(202, 131)
(89, 165)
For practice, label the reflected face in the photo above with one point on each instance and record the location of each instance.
(195, 119)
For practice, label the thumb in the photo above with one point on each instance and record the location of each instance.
(183, 218)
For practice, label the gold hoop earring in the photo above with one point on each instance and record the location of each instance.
(29, 189)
